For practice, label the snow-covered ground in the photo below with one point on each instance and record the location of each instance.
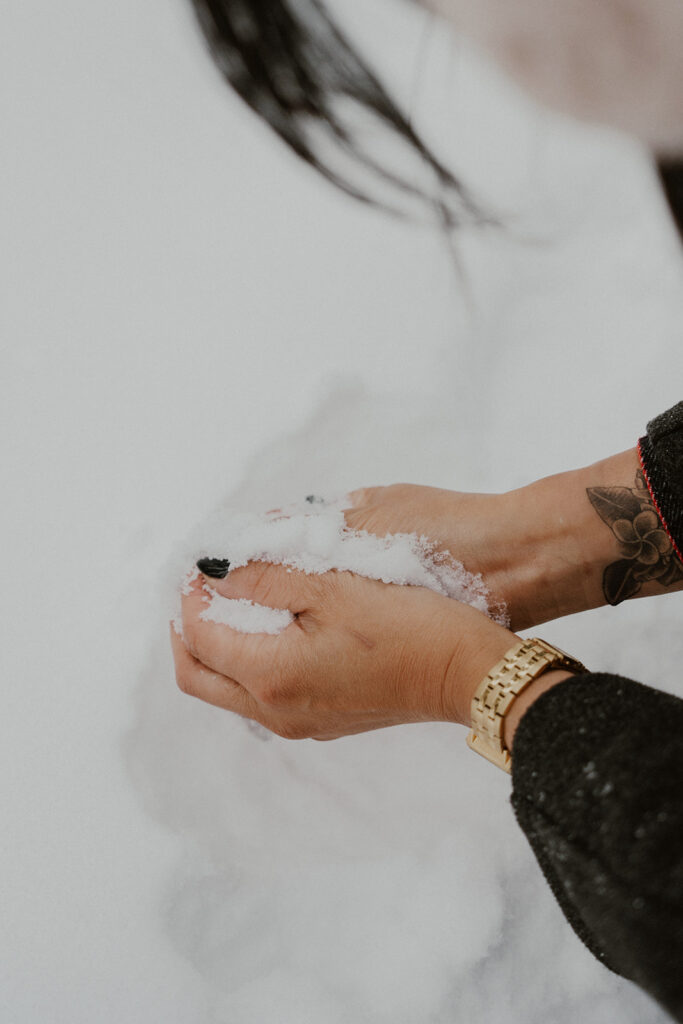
(187, 314)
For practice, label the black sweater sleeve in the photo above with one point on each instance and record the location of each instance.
(598, 789)
(661, 456)
(597, 784)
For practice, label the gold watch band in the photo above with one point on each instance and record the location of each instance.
(494, 696)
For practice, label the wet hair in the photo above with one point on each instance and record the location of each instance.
(290, 62)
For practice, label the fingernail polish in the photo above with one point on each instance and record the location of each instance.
(216, 568)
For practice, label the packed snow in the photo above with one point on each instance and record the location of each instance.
(314, 538)
(245, 616)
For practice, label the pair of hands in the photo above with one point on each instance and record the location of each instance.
(363, 655)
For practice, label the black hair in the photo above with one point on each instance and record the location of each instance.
(671, 175)
(292, 65)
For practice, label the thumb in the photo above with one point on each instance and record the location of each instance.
(274, 586)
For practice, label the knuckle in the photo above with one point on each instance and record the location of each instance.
(282, 681)
(292, 731)
(270, 691)
(273, 692)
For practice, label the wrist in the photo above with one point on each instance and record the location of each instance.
(471, 661)
(558, 547)
(523, 702)
(500, 694)
(472, 657)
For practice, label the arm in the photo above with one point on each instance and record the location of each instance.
(597, 784)
(570, 542)
(597, 767)
(596, 760)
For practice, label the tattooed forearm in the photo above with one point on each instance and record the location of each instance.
(645, 548)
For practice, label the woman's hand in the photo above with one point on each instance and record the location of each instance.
(561, 545)
(359, 655)
(476, 529)
(526, 544)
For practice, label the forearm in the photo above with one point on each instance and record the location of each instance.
(579, 540)
(564, 544)
(597, 781)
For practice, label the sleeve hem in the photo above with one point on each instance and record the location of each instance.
(643, 446)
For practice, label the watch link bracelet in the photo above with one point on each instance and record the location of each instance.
(522, 664)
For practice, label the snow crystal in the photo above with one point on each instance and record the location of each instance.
(314, 538)
(245, 616)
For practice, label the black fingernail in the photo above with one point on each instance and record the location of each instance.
(216, 568)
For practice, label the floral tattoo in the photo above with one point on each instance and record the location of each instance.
(645, 547)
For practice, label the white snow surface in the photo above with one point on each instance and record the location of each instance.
(190, 317)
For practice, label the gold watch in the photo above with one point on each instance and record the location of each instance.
(494, 696)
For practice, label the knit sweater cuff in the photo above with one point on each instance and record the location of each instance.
(661, 457)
